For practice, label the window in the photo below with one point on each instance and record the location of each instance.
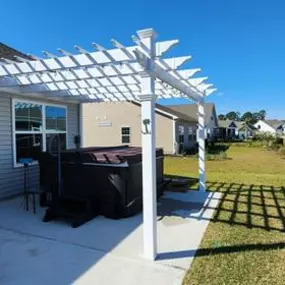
(192, 136)
(52, 142)
(34, 127)
(55, 119)
(126, 134)
(181, 133)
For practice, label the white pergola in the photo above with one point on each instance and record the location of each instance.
(134, 73)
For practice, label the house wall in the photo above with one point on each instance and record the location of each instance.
(12, 179)
(212, 124)
(280, 130)
(187, 144)
(102, 125)
(264, 127)
(245, 134)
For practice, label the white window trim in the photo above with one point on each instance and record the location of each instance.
(43, 132)
(130, 135)
(193, 134)
(183, 133)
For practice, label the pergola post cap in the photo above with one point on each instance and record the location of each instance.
(146, 73)
(147, 33)
(147, 97)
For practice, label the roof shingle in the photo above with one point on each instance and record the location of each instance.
(9, 53)
(274, 123)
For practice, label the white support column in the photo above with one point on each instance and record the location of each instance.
(147, 99)
(201, 144)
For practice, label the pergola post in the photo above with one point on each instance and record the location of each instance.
(201, 144)
(147, 99)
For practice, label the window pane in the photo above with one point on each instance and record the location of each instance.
(28, 116)
(55, 118)
(125, 131)
(181, 129)
(126, 139)
(52, 141)
(28, 146)
(181, 138)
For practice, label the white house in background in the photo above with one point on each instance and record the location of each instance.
(274, 127)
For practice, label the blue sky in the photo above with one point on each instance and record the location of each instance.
(240, 45)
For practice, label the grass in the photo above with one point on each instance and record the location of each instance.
(245, 241)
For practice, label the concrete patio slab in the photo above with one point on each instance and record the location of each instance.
(102, 251)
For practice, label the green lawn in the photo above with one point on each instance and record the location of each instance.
(245, 241)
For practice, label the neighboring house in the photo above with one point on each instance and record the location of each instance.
(191, 110)
(230, 129)
(111, 124)
(274, 127)
(27, 124)
(246, 130)
(227, 129)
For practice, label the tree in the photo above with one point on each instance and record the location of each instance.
(238, 116)
(255, 117)
(232, 116)
(258, 116)
(222, 117)
(262, 114)
(247, 117)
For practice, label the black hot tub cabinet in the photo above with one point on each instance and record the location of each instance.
(96, 181)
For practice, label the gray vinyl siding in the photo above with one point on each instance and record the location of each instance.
(187, 144)
(72, 123)
(12, 179)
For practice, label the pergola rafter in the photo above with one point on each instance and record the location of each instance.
(134, 73)
(92, 68)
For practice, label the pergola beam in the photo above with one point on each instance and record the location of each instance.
(49, 77)
(158, 72)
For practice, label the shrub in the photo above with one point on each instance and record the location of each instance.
(267, 140)
(281, 151)
(209, 156)
(256, 143)
(212, 157)
(223, 155)
(274, 144)
(263, 137)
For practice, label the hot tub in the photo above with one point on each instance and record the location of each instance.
(109, 178)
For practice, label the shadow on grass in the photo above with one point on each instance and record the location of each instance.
(251, 206)
(220, 250)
